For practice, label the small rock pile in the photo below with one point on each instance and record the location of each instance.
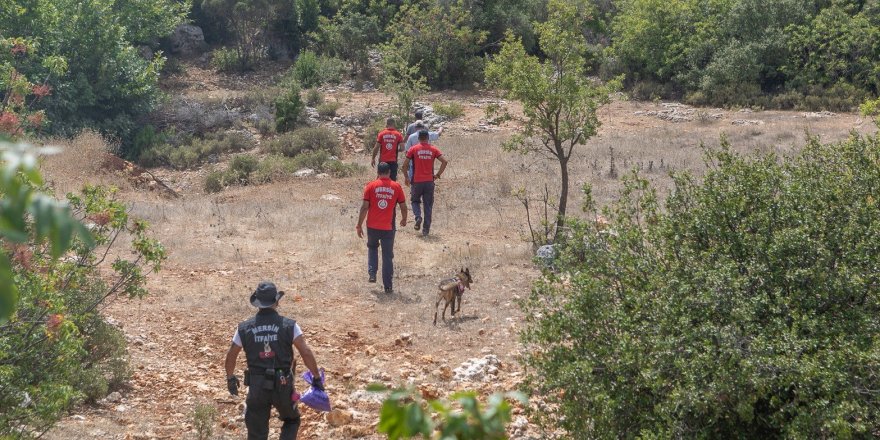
(478, 369)
(672, 112)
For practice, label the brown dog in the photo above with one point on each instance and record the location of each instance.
(451, 290)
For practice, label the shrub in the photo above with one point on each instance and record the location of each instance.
(144, 139)
(331, 70)
(214, 182)
(371, 133)
(56, 350)
(228, 60)
(289, 108)
(314, 97)
(349, 35)
(449, 110)
(405, 415)
(439, 42)
(328, 109)
(306, 70)
(311, 159)
(746, 307)
(305, 139)
(204, 416)
(87, 54)
(338, 168)
(196, 153)
(242, 166)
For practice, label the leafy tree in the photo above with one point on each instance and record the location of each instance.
(836, 47)
(402, 81)
(559, 101)
(349, 36)
(55, 348)
(249, 21)
(106, 84)
(289, 107)
(745, 307)
(404, 416)
(441, 40)
(871, 108)
(309, 15)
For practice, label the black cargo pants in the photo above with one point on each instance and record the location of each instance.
(259, 404)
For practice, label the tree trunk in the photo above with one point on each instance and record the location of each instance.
(563, 198)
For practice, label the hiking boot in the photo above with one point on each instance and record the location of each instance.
(389, 290)
(372, 278)
(418, 223)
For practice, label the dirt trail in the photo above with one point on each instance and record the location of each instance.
(300, 234)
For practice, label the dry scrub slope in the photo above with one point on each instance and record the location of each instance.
(300, 234)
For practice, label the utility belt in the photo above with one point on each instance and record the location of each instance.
(269, 378)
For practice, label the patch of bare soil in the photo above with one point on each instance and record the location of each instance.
(300, 234)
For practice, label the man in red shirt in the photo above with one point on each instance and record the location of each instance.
(380, 198)
(423, 156)
(389, 142)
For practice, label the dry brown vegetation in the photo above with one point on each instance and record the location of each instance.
(300, 234)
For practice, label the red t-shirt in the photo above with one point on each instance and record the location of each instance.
(422, 155)
(388, 140)
(383, 195)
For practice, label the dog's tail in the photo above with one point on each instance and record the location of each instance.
(448, 284)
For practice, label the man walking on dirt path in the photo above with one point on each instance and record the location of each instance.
(389, 141)
(411, 128)
(381, 196)
(413, 139)
(268, 340)
(423, 156)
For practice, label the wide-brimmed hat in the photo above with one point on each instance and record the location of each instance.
(266, 295)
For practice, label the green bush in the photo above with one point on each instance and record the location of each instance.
(214, 182)
(349, 35)
(314, 97)
(745, 307)
(197, 152)
(204, 417)
(328, 109)
(228, 60)
(87, 54)
(289, 108)
(306, 70)
(305, 139)
(331, 70)
(371, 133)
(405, 415)
(56, 350)
(439, 41)
(242, 166)
(338, 168)
(450, 110)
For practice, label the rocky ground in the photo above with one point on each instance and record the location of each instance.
(300, 234)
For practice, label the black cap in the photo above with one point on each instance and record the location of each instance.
(383, 168)
(423, 134)
(419, 113)
(265, 296)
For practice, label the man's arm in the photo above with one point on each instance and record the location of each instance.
(306, 353)
(403, 212)
(375, 152)
(365, 208)
(443, 163)
(231, 357)
(405, 168)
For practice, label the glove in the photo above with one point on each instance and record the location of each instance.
(317, 384)
(232, 384)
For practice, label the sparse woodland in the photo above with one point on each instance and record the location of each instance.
(712, 269)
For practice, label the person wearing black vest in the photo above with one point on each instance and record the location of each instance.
(268, 340)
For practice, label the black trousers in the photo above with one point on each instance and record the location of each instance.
(385, 239)
(260, 403)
